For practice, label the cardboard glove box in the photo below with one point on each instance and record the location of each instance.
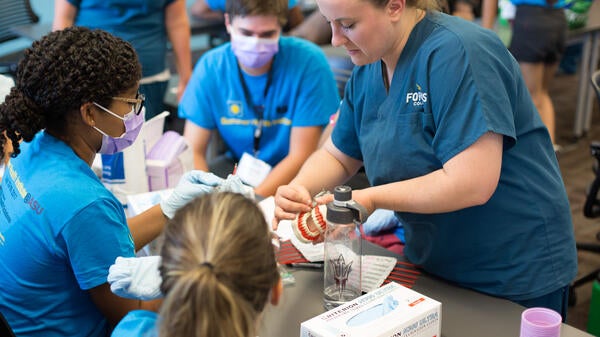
(166, 161)
(390, 311)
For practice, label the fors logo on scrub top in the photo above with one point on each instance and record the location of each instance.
(418, 98)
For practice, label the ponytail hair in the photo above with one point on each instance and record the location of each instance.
(218, 268)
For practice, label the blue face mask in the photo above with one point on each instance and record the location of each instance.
(133, 125)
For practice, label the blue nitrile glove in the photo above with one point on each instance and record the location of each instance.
(136, 277)
(192, 184)
(379, 221)
(234, 184)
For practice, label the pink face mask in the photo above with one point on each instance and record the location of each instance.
(254, 52)
(133, 125)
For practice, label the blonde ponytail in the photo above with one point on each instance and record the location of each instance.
(218, 268)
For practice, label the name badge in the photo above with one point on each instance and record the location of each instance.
(252, 170)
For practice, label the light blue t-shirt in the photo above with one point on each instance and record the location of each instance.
(137, 323)
(302, 93)
(454, 82)
(60, 231)
(140, 22)
(219, 5)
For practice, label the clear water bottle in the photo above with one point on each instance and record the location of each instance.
(343, 249)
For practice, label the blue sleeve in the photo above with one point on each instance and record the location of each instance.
(94, 238)
(318, 95)
(137, 323)
(196, 102)
(216, 5)
(468, 97)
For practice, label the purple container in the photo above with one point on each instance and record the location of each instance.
(540, 322)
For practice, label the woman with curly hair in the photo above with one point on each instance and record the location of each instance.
(75, 94)
(218, 272)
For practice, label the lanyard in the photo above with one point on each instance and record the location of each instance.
(258, 109)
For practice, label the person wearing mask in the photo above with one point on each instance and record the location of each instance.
(218, 272)
(439, 115)
(75, 95)
(149, 26)
(266, 95)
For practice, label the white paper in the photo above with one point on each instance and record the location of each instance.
(138, 203)
(284, 230)
(252, 170)
(375, 269)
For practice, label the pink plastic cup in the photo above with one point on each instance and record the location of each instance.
(540, 322)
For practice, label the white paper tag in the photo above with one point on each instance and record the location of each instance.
(252, 170)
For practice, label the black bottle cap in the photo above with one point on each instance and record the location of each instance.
(342, 193)
(341, 215)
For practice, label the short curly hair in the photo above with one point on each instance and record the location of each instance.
(58, 74)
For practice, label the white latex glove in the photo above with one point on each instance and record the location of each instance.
(136, 277)
(234, 184)
(192, 184)
(380, 220)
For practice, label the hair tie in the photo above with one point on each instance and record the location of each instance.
(208, 265)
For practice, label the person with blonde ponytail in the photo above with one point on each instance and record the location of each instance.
(218, 272)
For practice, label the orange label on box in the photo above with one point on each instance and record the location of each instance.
(416, 302)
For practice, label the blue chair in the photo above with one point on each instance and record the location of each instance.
(13, 13)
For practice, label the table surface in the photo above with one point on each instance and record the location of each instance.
(465, 313)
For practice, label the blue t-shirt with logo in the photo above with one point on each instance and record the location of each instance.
(60, 231)
(302, 93)
(454, 82)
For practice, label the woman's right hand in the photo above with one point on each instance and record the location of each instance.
(289, 201)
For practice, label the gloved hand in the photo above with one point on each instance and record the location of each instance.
(136, 277)
(380, 220)
(234, 184)
(192, 184)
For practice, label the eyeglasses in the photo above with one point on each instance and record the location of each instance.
(139, 101)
